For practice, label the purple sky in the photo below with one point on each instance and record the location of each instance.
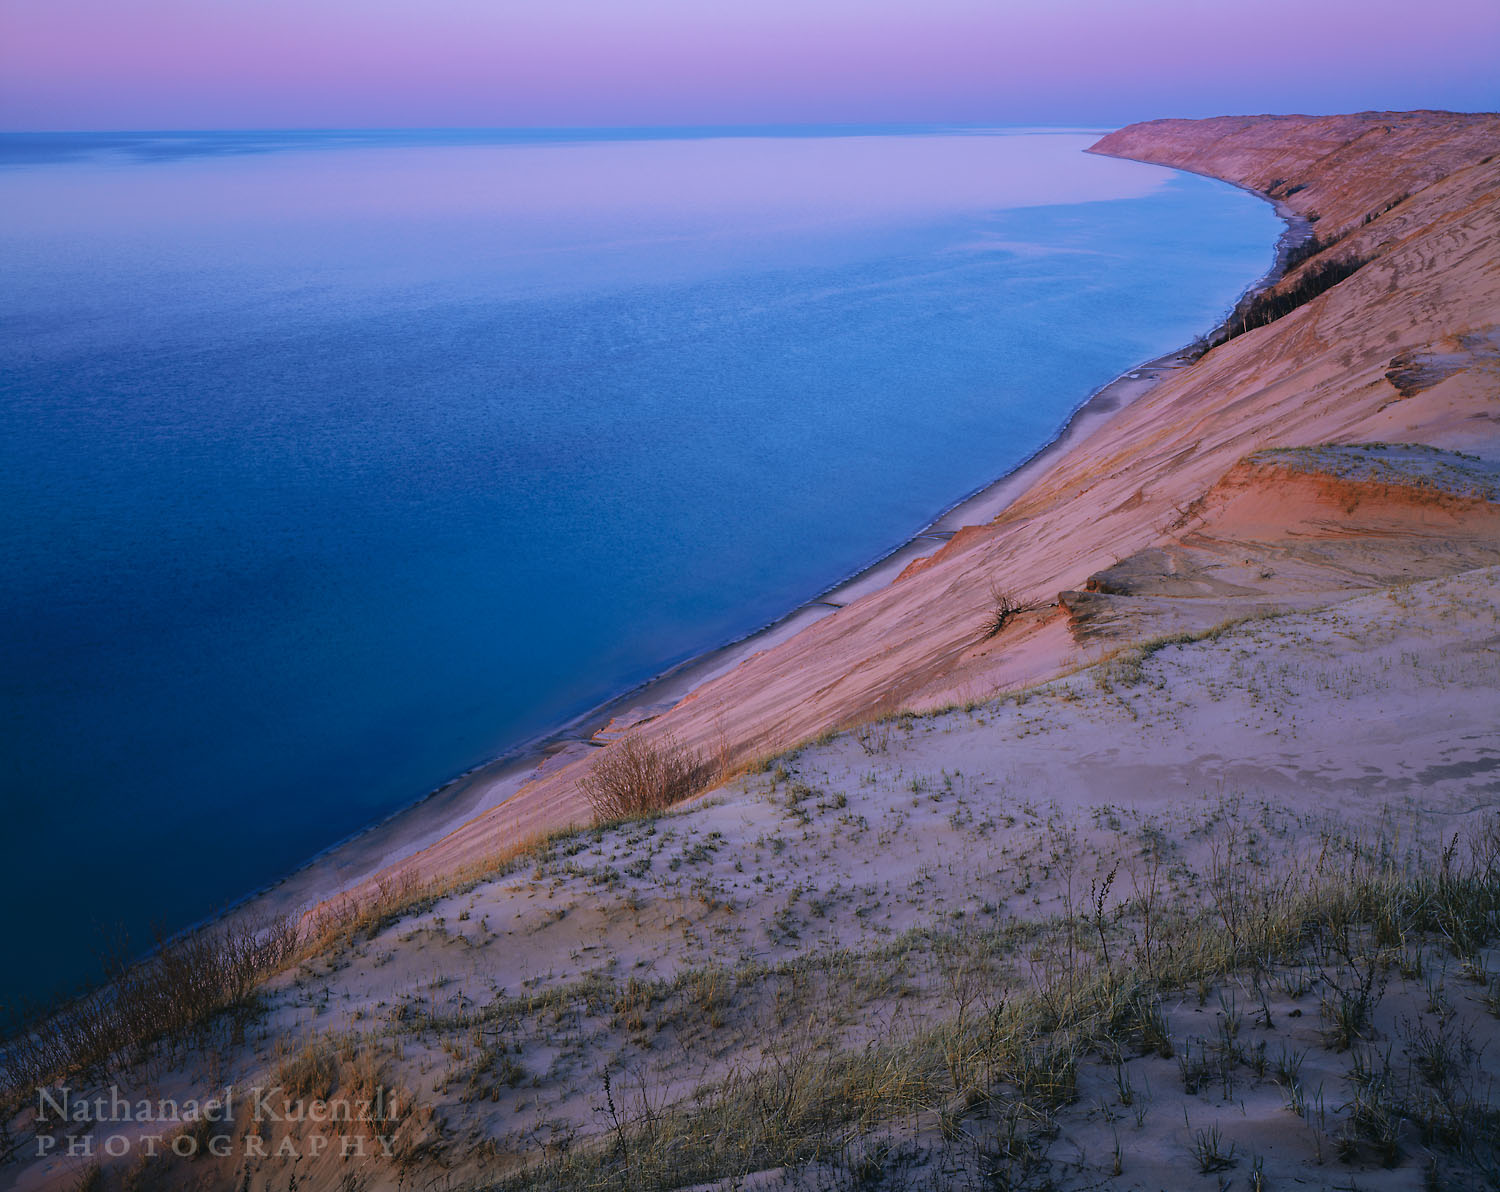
(122, 64)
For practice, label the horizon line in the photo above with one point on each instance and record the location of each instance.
(525, 128)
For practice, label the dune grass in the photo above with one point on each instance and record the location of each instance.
(998, 1068)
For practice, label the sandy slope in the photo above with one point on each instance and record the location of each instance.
(1317, 376)
(890, 879)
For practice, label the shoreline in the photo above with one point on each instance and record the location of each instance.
(422, 823)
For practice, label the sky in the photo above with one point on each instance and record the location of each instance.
(201, 64)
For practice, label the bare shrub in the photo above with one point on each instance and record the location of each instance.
(636, 776)
(874, 736)
(1004, 607)
(179, 989)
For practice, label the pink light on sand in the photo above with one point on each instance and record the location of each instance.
(238, 63)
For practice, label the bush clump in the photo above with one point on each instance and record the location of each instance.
(180, 988)
(636, 777)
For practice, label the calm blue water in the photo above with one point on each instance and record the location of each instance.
(332, 467)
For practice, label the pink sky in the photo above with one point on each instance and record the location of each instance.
(122, 64)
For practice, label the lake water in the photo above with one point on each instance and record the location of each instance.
(332, 465)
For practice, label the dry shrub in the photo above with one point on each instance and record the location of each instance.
(177, 990)
(1004, 607)
(636, 776)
